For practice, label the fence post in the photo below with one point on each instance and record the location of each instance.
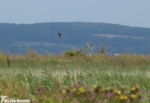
(8, 61)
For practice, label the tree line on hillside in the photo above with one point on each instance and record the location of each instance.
(77, 33)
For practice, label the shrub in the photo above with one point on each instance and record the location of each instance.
(74, 53)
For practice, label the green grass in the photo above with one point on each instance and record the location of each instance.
(50, 72)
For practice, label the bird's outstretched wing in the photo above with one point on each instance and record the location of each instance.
(59, 34)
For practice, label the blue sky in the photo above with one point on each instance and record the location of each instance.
(123, 12)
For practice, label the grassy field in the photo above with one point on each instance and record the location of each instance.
(76, 79)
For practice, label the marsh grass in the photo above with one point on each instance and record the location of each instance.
(44, 76)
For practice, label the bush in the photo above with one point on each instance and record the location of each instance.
(74, 53)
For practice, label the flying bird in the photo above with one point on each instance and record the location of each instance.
(60, 35)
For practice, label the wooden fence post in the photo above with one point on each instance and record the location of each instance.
(8, 61)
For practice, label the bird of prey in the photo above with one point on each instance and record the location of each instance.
(59, 34)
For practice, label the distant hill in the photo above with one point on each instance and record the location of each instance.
(43, 37)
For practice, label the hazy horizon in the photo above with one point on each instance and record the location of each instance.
(130, 13)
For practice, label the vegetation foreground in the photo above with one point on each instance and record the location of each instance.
(75, 78)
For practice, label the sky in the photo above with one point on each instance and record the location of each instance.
(124, 12)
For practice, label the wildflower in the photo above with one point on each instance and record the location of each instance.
(95, 86)
(118, 92)
(109, 95)
(63, 91)
(103, 90)
(39, 88)
(123, 97)
(133, 96)
(74, 89)
(108, 89)
(135, 89)
(81, 90)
